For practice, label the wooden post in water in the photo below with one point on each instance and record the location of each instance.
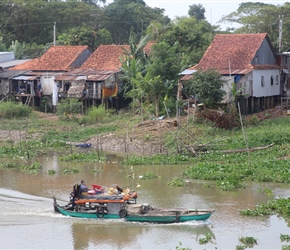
(249, 159)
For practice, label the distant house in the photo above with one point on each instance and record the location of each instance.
(98, 79)
(249, 61)
(39, 80)
(7, 60)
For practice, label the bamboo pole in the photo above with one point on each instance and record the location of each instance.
(249, 159)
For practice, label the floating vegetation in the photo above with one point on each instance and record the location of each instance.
(149, 175)
(267, 191)
(177, 182)
(208, 238)
(279, 206)
(179, 247)
(9, 165)
(96, 170)
(51, 172)
(285, 237)
(31, 169)
(248, 241)
(83, 157)
(11, 152)
(69, 171)
(229, 184)
(240, 247)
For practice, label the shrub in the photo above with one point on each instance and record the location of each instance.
(69, 106)
(44, 107)
(96, 114)
(11, 110)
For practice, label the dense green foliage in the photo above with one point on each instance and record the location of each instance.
(12, 110)
(206, 85)
(69, 107)
(76, 22)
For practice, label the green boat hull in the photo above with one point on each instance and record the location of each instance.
(87, 215)
(167, 219)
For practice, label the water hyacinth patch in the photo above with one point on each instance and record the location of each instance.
(31, 169)
(284, 237)
(83, 157)
(279, 206)
(177, 182)
(248, 241)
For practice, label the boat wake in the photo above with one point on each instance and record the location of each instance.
(15, 203)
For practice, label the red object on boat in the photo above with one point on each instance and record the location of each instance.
(95, 186)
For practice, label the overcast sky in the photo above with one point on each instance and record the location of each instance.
(215, 9)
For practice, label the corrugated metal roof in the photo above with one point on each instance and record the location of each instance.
(25, 78)
(8, 74)
(88, 74)
(13, 63)
(223, 72)
(70, 78)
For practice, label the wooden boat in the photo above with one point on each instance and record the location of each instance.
(146, 213)
(116, 204)
(116, 209)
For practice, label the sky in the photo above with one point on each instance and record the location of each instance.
(214, 9)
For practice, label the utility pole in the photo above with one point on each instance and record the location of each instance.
(280, 33)
(54, 28)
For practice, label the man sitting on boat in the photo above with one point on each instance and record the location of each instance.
(83, 187)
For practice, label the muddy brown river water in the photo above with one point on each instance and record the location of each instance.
(28, 221)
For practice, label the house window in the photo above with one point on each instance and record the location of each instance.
(272, 80)
(277, 79)
(262, 81)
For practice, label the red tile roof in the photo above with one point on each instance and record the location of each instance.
(106, 57)
(148, 47)
(56, 58)
(234, 51)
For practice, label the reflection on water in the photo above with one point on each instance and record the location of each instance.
(27, 211)
(122, 234)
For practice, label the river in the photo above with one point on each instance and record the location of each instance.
(28, 221)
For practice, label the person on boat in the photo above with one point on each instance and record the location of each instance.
(83, 187)
(127, 193)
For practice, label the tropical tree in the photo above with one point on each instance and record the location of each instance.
(207, 86)
(193, 37)
(85, 36)
(197, 11)
(2, 45)
(123, 15)
(160, 81)
(134, 64)
(18, 49)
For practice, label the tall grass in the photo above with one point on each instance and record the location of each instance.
(96, 114)
(12, 110)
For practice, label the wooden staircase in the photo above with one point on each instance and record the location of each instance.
(28, 100)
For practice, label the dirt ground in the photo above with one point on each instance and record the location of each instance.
(144, 140)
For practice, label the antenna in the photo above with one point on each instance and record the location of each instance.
(280, 32)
